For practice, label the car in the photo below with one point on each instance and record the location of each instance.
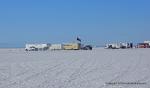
(86, 47)
(31, 49)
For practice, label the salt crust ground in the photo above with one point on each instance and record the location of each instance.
(75, 69)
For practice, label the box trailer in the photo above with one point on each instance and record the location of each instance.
(56, 47)
(72, 46)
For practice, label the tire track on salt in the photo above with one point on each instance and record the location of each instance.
(51, 69)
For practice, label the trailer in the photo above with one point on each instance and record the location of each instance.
(56, 47)
(72, 46)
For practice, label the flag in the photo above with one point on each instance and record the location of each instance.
(78, 39)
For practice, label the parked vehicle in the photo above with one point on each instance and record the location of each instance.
(72, 46)
(36, 47)
(112, 46)
(56, 47)
(126, 45)
(119, 46)
(143, 45)
(32, 49)
(87, 47)
(147, 42)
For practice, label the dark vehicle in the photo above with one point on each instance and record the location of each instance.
(87, 47)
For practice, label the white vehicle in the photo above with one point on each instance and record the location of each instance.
(56, 47)
(36, 47)
(119, 46)
(112, 46)
(124, 45)
(147, 42)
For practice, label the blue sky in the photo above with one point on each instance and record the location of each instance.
(56, 21)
